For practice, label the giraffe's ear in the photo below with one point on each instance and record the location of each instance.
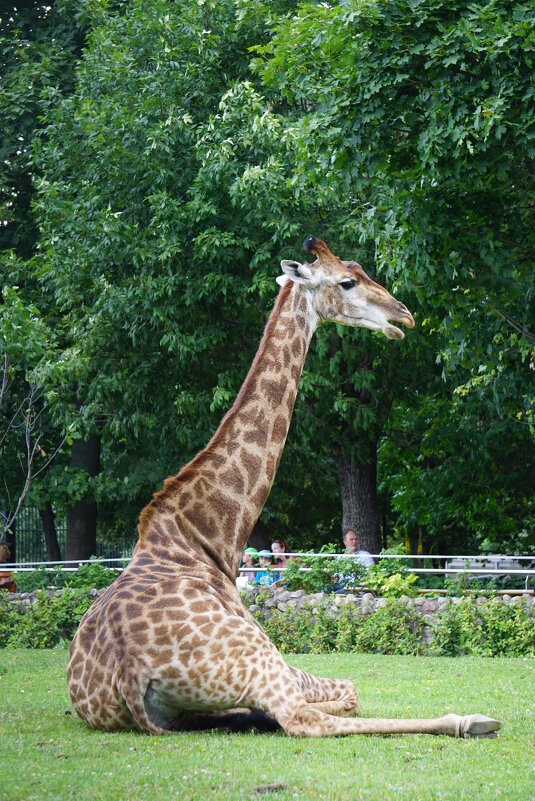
(299, 273)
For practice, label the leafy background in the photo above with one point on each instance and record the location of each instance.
(158, 160)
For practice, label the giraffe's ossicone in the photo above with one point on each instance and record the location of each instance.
(170, 644)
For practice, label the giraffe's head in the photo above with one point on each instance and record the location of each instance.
(341, 292)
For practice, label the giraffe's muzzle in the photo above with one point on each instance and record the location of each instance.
(401, 315)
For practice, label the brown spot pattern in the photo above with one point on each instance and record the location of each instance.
(173, 623)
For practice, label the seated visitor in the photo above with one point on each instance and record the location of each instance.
(267, 576)
(279, 549)
(6, 578)
(246, 574)
(351, 544)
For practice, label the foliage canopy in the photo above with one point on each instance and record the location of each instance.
(173, 154)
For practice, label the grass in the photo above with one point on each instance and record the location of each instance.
(48, 753)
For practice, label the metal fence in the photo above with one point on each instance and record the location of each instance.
(484, 567)
(30, 543)
(495, 566)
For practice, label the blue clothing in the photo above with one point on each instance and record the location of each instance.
(266, 578)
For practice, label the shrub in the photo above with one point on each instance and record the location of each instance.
(464, 584)
(391, 586)
(309, 630)
(393, 629)
(40, 579)
(391, 578)
(9, 619)
(46, 623)
(348, 623)
(468, 626)
(321, 573)
(89, 576)
(492, 628)
(92, 576)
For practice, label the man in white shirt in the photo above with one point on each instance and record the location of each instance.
(351, 542)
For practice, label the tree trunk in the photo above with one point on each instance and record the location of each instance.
(360, 504)
(259, 538)
(49, 529)
(384, 532)
(81, 540)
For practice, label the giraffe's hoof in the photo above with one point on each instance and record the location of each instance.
(479, 726)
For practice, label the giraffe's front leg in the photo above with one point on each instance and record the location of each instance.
(310, 722)
(334, 696)
(288, 704)
(302, 719)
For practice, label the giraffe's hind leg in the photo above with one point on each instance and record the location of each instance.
(132, 683)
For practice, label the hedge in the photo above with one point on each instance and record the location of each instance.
(316, 624)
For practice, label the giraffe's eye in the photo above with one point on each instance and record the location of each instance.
(349, 283)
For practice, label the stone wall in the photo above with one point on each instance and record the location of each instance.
(276, 598)
(267, 601)
(24, 600)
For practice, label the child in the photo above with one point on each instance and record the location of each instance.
(266, 577)
(245, 573)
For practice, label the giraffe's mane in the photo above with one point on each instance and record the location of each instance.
(189, 471)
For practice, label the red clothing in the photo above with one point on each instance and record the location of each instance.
(7, 583)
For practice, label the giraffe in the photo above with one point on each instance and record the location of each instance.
(170, 644)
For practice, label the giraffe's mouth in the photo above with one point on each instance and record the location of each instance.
(391, 332)
(405, 318)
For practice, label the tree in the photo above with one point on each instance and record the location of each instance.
(460, 471)
(422, 117)
(169, 184)
(40, 45)
(160, 280)
(27, 443)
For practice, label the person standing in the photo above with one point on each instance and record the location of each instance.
(246, 573)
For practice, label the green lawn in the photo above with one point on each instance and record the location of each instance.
(48, 753)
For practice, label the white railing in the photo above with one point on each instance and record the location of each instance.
(483, 566)
(66, 566)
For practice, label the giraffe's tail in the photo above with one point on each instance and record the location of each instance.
(132, 684)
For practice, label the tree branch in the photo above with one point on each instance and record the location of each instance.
(32, 439)
(509, 320)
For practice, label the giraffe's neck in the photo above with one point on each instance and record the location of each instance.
(217, 498)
